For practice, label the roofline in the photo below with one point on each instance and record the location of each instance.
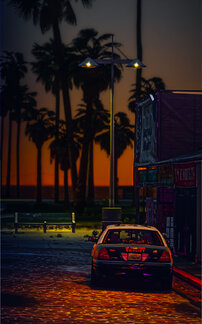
(180, 159)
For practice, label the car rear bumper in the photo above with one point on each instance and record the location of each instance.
(134, 270)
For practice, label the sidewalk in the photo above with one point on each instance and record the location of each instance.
(188, 270)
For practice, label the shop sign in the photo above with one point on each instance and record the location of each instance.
(185, 175)
(165, 174)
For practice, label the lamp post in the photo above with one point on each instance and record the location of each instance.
(93, 63)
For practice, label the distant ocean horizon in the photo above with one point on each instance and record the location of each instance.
(29, 192)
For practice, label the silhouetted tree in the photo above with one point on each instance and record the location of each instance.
(40, 129)
(13, 70)
(124, 136)
(92, 82)
(147, 87)
(99, 120)
(47, 70)
(25, 101)
(59, 147)
(49, 14)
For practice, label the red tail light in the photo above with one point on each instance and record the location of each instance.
(165, 256)
(103, 255)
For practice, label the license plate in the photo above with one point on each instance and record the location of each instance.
(134, 256)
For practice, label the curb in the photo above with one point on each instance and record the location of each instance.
(187, 277)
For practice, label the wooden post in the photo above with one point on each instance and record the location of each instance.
(73, 223)
(44, 227)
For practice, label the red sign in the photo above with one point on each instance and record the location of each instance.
(185, 175)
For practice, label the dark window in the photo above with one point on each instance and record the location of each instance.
(132, 236)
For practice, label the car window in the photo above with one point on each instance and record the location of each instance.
(132, 236)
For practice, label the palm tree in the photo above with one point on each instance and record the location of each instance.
(49, 14)
(139, 46)
(25, 101)
(13, 69)
(147, 87)
(99, 122)
(39, 130)
(92, 82)
(47, 70)
(124, 136)
(59, 147)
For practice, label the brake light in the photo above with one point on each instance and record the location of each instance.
(103, 254)
(165, 256)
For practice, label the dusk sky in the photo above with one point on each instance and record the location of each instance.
(171, 40)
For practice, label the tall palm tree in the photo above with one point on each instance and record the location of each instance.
(147, 87)
(47, 71)
(13, 69)
(99, 122)
(139, 46)
(59, 147)
(25, 101)
(39, 130)
(124, 136)
(92, 82)
(49, 14)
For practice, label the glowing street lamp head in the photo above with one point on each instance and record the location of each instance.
(137, 64)
(88, 63)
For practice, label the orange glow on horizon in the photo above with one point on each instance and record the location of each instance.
(28, 165)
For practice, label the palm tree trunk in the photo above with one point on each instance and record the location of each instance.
(72, 157)
(57, 113)
(138, 89)
(2, 142)
(81, 188)
(66, 191)
(18, 157)
(9, 157)
(116, 177)
(67, 104)
(139, 45)
(90, 193)
(39, 174)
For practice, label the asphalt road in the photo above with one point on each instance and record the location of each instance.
(46, 279)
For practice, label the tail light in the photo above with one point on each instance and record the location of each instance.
(103, 254)
(165, 256)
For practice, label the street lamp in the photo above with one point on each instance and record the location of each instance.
(93, 63)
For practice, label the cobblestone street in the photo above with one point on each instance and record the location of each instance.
(46, 279)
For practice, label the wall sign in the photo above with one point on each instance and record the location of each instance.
(185, 175)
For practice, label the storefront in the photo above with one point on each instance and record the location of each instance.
(185, 208)
(170, 200)
(168, 168)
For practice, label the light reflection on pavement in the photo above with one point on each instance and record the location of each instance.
(50, 283)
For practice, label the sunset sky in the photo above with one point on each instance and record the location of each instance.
(171, 39)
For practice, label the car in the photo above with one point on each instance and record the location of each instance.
(131, 251)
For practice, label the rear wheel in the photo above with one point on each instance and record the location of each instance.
(167, 284)
(94, 278)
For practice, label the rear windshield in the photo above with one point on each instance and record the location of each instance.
(132, 236)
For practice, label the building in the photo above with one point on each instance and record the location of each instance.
(168, 168)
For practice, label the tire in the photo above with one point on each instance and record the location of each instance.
(94, 278)
(167, 284)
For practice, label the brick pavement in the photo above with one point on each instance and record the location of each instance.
(45, 284)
